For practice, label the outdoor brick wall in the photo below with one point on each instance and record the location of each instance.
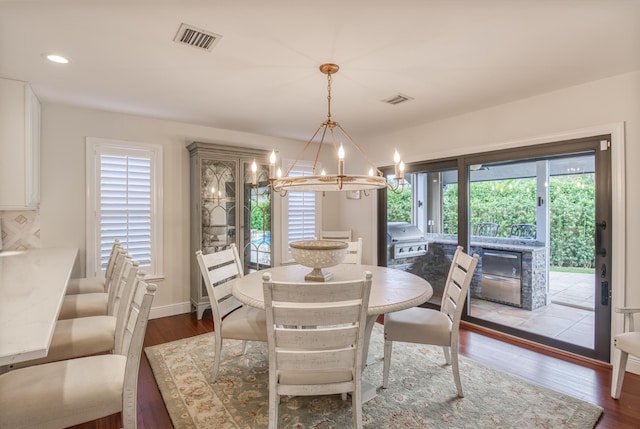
(434, 266)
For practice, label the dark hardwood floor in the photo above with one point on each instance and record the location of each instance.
(573, 376)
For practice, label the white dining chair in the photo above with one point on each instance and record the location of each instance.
(69, 392)
(94, 303)
(336, 235)
(354, 252)
(84, 336)
(78, 285)
(626, 343)
(316, 340)
(231, 320)
(437, 327)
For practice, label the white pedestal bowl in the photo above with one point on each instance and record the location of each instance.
(318, 254)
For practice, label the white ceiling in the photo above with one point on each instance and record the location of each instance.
(262, 77)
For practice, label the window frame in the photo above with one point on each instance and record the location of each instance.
(95, 148)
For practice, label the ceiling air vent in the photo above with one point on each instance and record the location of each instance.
(196, 37)
(397, 99)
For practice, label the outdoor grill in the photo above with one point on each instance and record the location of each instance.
(405, 240)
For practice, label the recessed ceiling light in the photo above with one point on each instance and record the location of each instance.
(55, 58)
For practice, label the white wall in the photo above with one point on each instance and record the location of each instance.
(339, 213)
(62, 208)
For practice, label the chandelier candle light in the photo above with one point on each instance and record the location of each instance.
(273, 174)
(331, 182)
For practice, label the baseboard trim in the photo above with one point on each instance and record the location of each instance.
(633, 365)
(170, 310)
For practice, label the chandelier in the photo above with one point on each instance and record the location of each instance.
(322, 181)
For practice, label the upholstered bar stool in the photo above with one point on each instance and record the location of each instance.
(96, 284)
(97, 303)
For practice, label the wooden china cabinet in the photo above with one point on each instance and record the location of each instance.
(226, 208)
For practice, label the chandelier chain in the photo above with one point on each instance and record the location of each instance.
(329, 97)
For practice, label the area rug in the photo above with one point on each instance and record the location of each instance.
(421, 392)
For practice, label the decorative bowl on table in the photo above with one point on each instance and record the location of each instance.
(318, 254)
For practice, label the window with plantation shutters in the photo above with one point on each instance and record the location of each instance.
(301, 215)
(123, 200)
(300, 212)
(125, 205)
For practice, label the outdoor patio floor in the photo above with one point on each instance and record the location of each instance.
(569, 317)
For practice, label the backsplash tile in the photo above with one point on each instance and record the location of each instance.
(20, 229)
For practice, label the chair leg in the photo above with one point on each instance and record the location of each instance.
(456, 370)
(447, 354)
(356, 405)
(245, 347)
(217, 357)
(344, 396)
(130, 414)
(274, 401)
(388, 345)
(619, 368)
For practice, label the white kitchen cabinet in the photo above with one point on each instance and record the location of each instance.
(19, 146)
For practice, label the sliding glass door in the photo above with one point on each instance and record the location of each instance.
(539, 218)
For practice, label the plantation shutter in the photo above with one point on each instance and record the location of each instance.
(301, 210)
(302, 215)
(125, 204)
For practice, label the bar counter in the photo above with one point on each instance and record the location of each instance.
(32, 286)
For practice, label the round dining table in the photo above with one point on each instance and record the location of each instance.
(391, 289)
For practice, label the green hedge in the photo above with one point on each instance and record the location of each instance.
(261, 215)
(573, 220)
(399, 206)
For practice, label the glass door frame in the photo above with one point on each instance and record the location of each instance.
(603, 319)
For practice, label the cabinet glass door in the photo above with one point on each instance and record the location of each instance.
(256, 240)
(218, 204)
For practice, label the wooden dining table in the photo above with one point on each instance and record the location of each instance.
(32, 287)
(391, 290)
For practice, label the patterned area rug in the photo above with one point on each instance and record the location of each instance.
(422, 393)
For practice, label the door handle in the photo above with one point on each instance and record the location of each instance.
(600, 226)
(604, 293)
